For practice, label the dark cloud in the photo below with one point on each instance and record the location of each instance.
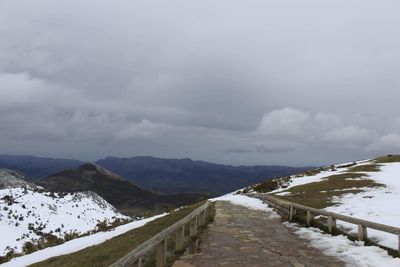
(184, 79)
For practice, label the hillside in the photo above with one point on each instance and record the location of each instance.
(31, 218)
(122, 194)
(368, 189)
(186, 175)
(12, 179)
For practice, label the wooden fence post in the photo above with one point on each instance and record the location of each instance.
(198, 219)
(193, 232)
(180, 237)
(331, 224)
(399, 244)
(201, 218)
(161, 257)
(362, 233)
(291, 213)
(309, 217)
(213, 209)
(138, 262)
(193, 227)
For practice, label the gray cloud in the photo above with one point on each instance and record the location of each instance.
(272, 150)
(238, 150)
(258, 149)
(178, 79)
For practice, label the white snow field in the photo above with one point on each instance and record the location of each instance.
(352, 253)
(76, 244)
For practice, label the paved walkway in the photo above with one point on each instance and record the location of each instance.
(244, 237)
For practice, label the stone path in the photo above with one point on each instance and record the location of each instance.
(244, 237)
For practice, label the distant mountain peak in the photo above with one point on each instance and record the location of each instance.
(97, 169)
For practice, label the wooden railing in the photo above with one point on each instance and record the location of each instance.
(199, 217)
(288, 210)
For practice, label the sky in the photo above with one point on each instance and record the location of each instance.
(284, 82)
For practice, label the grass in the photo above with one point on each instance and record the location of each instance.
(365, 168)
(319, 194)
(312, 172)
(111, 250)
(388, 159)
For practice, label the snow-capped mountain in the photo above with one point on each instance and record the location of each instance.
(31, 218)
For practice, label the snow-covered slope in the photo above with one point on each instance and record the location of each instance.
(77, 244)
(12, 179)
(32, 218)
(375, 204)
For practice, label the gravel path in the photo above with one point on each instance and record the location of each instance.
(243, 237)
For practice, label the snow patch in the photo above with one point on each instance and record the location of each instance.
(352, 253)
(248, 202)
(283, 194)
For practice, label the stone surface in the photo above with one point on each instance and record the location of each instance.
(250, 238)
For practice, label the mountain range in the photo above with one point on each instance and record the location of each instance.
(167, 176)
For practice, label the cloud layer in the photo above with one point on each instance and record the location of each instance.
(261, 82)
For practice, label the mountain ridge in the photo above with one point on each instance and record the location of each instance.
(166, 176)
(187, 175)
(121, 193)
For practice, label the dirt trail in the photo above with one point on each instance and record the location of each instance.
(243, 237)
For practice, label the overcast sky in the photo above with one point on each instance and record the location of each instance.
(242, 82)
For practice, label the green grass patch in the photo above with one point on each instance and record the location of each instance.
(388, 159)
(365, 168)
(111, 250)
(317, 200)
(312, 172)
(319, 194)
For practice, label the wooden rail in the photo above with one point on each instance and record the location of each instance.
(199, 217)
(288, 209)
